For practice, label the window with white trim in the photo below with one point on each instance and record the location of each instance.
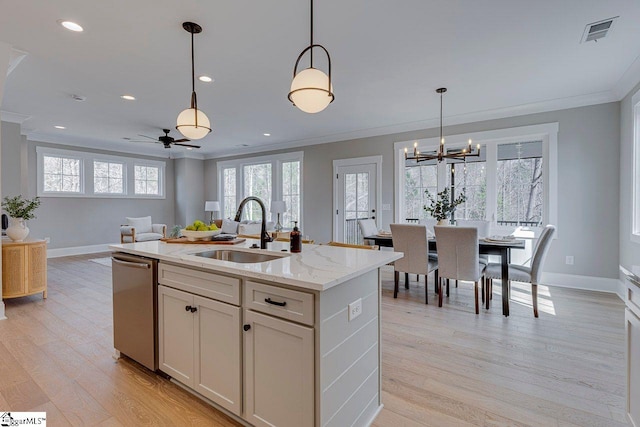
(513, 183)
(276, 177)
(147, 180)
(108, 177)
(62, 174)
(67, 173)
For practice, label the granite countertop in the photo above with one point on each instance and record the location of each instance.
(317, 267)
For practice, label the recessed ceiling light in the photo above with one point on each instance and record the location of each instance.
(71, 26)
(205, 79)
(128, 97)
(266, 134)
(59, 127)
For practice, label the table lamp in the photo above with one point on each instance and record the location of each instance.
(212, 206)
(278, 207)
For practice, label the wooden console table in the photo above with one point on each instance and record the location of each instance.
(24, 268)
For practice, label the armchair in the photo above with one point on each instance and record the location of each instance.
(141, 230)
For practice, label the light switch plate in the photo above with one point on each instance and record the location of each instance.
(355, 309)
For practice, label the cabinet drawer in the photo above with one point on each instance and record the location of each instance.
(281, 302)
(203, 283)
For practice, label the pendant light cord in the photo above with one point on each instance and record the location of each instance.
(441, 143)
(311, 34)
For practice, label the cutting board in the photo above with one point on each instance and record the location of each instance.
(184, 240)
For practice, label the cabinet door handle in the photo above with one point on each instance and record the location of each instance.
(246, 327)
(194, 309)
(279, 304)
(188, 308)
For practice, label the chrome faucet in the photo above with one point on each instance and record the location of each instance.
(264, 237)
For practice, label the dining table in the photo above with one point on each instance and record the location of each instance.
(501, 248)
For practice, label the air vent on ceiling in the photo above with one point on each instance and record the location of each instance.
(597, 30)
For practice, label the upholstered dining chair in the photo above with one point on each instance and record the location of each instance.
(484, 230)
(521, 273)
(368, 227)
(412, 241)
(459, 258)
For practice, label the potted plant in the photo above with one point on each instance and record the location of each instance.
(441, 206)
(19, 211)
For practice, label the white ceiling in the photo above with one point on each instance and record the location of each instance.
(497, 57)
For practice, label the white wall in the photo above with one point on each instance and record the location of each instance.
(5, 54)
(190, 185)
(71, 222)
(588, 187)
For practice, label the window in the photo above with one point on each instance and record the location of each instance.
(513, 183)
(147, 180)
(229, 192)
(108, 177)
(419, 178)
(291, 192)
(257, 183)
(520, 198)
(66, 173)
(277, 177)
(61, 174)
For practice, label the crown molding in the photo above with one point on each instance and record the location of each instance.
(478, 116)
(629, 80)
(11, 117)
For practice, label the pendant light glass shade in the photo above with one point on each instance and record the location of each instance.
(309, 90)
(186, 124)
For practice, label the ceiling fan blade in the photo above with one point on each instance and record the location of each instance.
(139, 140)
(145, 136)
(181, 140)
(186, 145)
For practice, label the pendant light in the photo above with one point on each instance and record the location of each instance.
(192, 122)
(442, 153)
(311, 89)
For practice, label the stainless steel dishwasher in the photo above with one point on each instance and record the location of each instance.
(134, 308)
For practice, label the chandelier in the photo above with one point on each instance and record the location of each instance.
(441, 153)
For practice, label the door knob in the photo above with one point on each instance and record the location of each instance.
(246, 327)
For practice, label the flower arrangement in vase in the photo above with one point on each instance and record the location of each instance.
(441, 206)
(19, 211)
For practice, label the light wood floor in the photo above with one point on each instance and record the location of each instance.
(441, 366)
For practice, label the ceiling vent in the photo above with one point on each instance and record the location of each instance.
(597, 30)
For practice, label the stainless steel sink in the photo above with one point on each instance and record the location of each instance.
(239, 256)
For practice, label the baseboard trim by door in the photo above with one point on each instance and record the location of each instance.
(78, 250)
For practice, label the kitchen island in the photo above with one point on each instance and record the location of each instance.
(289, 341)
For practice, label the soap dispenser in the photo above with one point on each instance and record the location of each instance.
(295, 239)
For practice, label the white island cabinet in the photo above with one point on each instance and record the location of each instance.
(273, 343)
(632, 320)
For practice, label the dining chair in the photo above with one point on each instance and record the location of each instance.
(521, 273)
(458, 257)
(484, 230)
(368, 227)
(412, 241)
(349, 245)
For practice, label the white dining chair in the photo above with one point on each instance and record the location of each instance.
(458, 257)
(521, 273)
(368, 227)
(411, 240)
(484, 230)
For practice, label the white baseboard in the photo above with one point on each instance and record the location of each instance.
(78, 250)
(2, 316)
(589, 283)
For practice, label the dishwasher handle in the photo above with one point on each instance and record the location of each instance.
(131, 264)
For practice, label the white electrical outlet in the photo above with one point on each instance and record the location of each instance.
(355, 309)
(569, 260)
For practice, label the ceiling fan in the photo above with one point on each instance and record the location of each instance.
(168, 141)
